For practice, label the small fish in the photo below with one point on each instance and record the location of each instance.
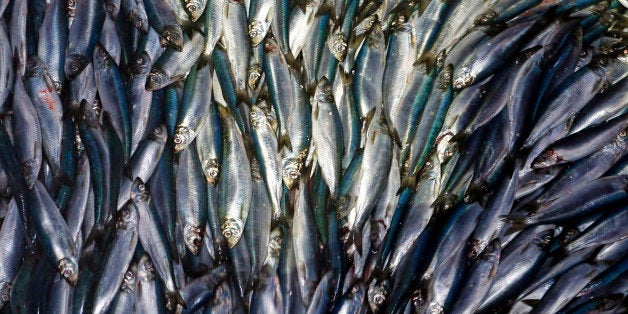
(327, 135)
(235, 182)
(83, 36)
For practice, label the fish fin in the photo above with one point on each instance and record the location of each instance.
(444, 202)
(369, 117)
(174, 298)
(301, 4)
(531, 302)
(345, 77)
(223, 111)
(327, 8)
(476, 191)
(395, 137)
(514, 227)
(284, 141)
(60, 178)
(516, 219)
(292, 61)
(409, 181)
(242, 97)
(173, 251)
(428, 58)
(356, 239)
(204, 60)
(460, 138)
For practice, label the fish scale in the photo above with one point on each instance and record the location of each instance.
(319, 156)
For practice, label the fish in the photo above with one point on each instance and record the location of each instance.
(478, 282)
(83, 36)
(52, 52)
(49, 110)
(6, 65)
(119, 252)
(12, 243)
(163, 18)
(327, 141)
(113, 94)
(269, 159)
(154, 241)
(234, 200)
(191, 209)
(313, 156)
(27, 134)
(173, 63)
(194, 109)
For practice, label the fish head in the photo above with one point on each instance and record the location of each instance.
(357, 292)
(111, 6)
(547, 158)
(255, 74)
(291, 172)
(193, 238)
(568, 235)
(29, 172)
(445, 147)
(257, 31)
(139, 19)
(324, 91)
(338, 46)
(376, 295)
(68, 268)
(127, 217)
(142, 65)
(492, 251)
(211, 169)
(181, 138)
(139, 192)
(146, 269)
(5, 292)
(475, 247)
(543, 238)
(378, 232)
(159, 134)
(486, 17)
(463, 77)
(129, 280)
(257, 116)
(274, 243)
(195, 8)
(89, 114)
(173, 36)
(157, 78)
(232, 230)
(102, 59)
(270, 46)
(74, 64)
(70, 8)
(34, 67)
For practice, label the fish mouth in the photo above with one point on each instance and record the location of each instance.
(69, 270)
(211, 169)
(193, 237)
(157, 79)
(74, 64)
(232, 231)
(257, 32)
(5, 291)
(181, 138)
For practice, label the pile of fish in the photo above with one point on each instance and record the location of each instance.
(278, 156)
